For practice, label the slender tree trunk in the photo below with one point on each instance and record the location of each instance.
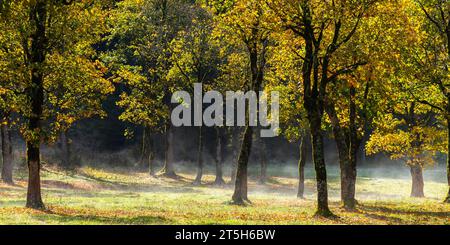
(350, 200)
(447, 199)
(7, 156)
(319, 166)
(262, 158)
(64, 150)
(219, 157)
(143, 149)
(147, 155)
(417, 181)
(313, 101)
(235, 147)
(198, 178)
(168, 169)
(35, 94)
(240, 186)
(301, 168)
(151, 155)
(257, 77)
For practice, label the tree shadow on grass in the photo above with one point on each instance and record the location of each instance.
(438, 214)
(50, 215)
(384, 213)
(392, 220)
(140, 187)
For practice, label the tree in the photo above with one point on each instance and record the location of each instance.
(284, 76)
(52, 29)
(325, 28)
(432, 59)
(139, 56)
(195, 60)
(410, 134)
(244, 26)
(12, 70)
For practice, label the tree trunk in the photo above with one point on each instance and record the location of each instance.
(7, 156)
(350, 200)
(240, 186)
(219, 147)
(301, 168)
(198, 178)
(35, 94)
(447, 199)
(142, 160)
(168, 169)
(151, 155)
(34, 199)
(347, 189)
(235, 147)
(262, 158)
(417, 181)
(147, 155)
(64, 150)
(257, 65)
(319, 166)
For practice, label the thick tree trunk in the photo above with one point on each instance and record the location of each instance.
(7, 156)
(235, 148)
(345, 165)
(262, 158)
(64, 150)
(240, 186)
(198, 178)
(350, 200)
(301, 168)
(168, 169)
(219, 157)
(35, 94)
(417, 181)
(319, 166)
(34, 199)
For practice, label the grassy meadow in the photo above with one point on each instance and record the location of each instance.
(116, 196)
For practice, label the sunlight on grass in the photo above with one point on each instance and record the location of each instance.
(93, 196)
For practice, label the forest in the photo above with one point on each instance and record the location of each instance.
(87, 91)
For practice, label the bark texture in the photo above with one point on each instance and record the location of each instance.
(235, 144)
(168, 169)
(417, 181)
(257, 64)
(262, 158)
(447, 199)
(148, 152)
(64, 148)
(35, 94)
(198, 178)
(240, 187)
(301, 168)
(219, 157)
(7, 155)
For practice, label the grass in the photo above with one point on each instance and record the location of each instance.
(94, 196)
